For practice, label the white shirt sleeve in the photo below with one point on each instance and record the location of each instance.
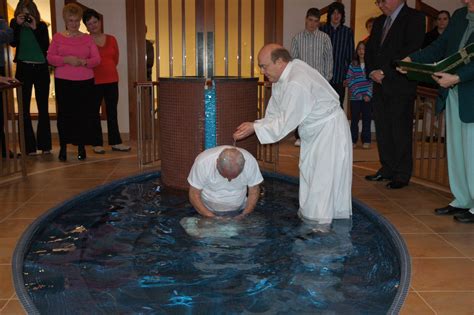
(197, 175)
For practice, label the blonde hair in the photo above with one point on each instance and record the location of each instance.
(72, 9)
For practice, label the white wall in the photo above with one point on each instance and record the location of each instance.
(114, 12)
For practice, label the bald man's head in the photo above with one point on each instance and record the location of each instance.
(272, 60)
(230, 163)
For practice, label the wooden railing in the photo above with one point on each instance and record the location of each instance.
(429, 140)
(12, 133)
(148, 136)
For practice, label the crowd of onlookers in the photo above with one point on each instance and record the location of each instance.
(380, 90)
(85, 75)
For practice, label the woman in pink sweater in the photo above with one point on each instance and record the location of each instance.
(74, 55)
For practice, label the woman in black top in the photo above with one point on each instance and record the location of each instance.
(31, 40)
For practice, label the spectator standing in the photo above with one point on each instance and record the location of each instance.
(368, 26)
(360, 93)
(6, 36)
(313, 47)
(395, 34)
(106, 81)
(442, 21)
(31, 40)
(74, 55)
(342, 39)
(457, 99)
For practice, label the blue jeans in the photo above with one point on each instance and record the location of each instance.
(358, 108)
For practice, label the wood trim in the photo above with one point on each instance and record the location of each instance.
(252, 37)
(239, 39)
(279, 21)
(136, 50)
(353, 14)
(209, 26)
(269, 22)
(199, 4)
(52, 8)
(273, 21)
(183, 37)
(226, 36)
(170, 35)
(157, 36)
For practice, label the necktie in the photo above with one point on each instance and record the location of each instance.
(386, 27)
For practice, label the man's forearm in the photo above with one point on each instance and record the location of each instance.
(196, 201)
(254, 193)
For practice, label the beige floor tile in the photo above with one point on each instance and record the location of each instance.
(367, 192)
(7, 246)
(383, 206)
(415, 305)
(406, 223)
(13, 228)
(408, 192)
(13, 307)
(6, 208)
(74, 183)
(445, 224)
(6, 284)
(450, 303)
(32, 210)
(463, 242)
(3, 303)
(430, 245)
(421, 206)
(17, 194)
(55, 195)
(448, 274)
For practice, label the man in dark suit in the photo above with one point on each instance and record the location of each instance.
(395, 34)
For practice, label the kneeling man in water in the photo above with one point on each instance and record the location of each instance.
(224, 181)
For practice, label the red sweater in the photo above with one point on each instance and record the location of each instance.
(106, 71)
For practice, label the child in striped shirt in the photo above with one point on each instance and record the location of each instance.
(360, 90)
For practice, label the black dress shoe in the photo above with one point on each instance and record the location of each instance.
(81, 152)
(62, 154)
(449, 210)
(464, 217)
(376, 177)
(395, 184)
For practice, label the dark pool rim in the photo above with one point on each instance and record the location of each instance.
(28, 236)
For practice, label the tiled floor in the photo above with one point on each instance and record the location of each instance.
(442, 250)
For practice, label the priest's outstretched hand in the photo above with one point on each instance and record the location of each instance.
(243, 131)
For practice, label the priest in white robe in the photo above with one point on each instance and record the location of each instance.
(301, 97)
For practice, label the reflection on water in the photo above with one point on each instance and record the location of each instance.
(141, 250)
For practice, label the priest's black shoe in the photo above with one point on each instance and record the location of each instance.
(449, 210)
(376, 177)
(464, 217)
(81, 152)
(395, 184)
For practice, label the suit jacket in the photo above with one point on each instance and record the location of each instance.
(404, 37)
(447, 44)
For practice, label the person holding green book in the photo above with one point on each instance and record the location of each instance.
(457, 99)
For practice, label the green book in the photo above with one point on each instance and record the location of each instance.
(423, 71)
